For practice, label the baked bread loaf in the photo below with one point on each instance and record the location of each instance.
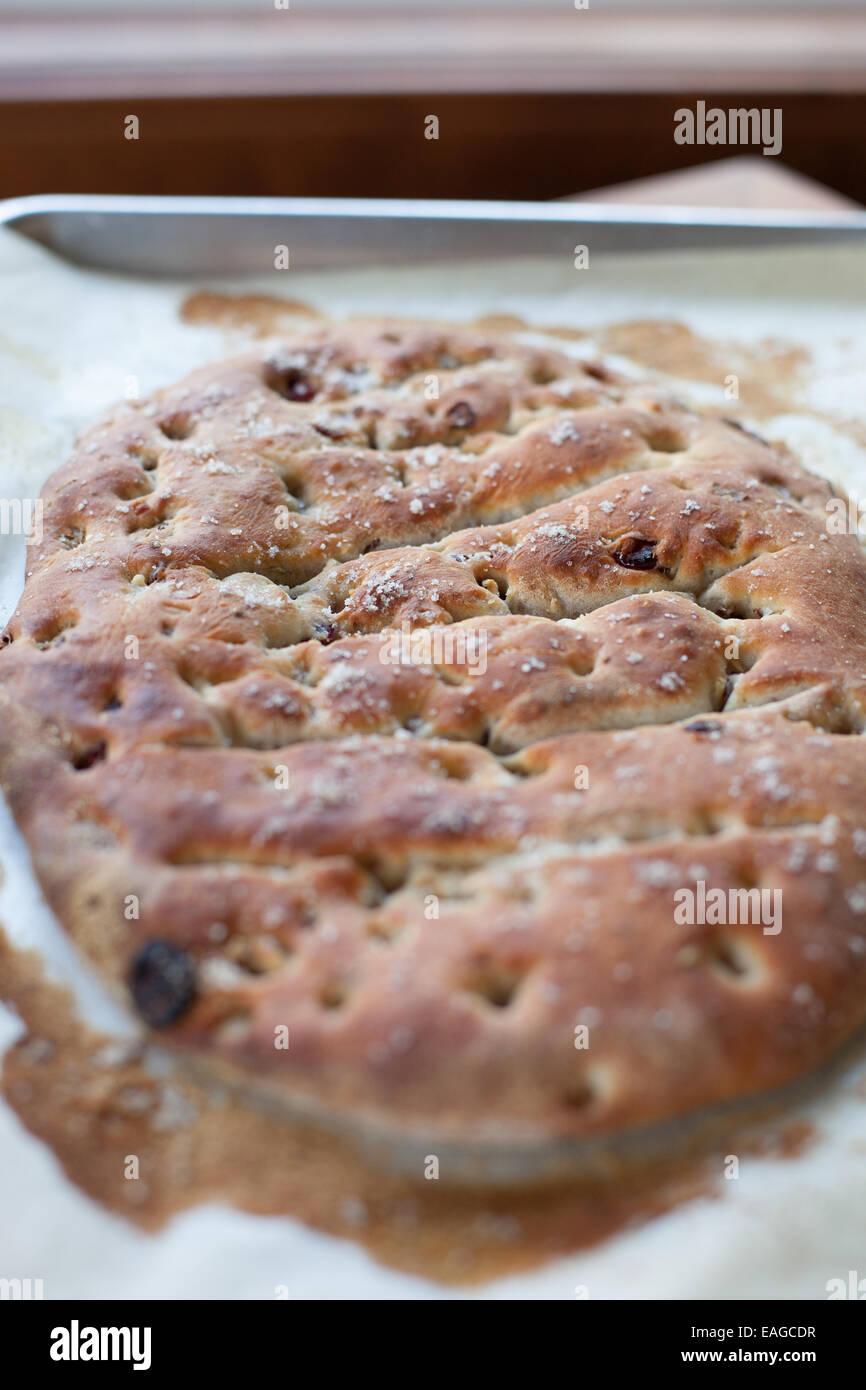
(427, 887)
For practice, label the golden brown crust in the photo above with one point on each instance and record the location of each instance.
(644, 667)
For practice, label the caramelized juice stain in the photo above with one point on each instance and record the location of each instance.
(259, 315)
(769, 375)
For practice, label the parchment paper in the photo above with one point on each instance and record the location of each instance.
(71, 343)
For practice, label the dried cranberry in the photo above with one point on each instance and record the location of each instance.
(324, 632)
(635, 553)
(289, 382)
(461, 416)
(162, 982)
(297, 387)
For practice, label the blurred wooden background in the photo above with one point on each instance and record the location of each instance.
(535, 100)
(490, 146)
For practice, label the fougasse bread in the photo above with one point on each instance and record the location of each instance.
(373, 695)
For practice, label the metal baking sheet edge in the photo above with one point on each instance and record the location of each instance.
(182, 237)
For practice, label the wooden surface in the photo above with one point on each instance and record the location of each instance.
(516, 146)
(442, 47)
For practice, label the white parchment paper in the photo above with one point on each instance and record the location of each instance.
(71, 343)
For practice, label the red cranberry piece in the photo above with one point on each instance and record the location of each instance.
(297, 387)
(461, 416)
(635, 553)
(162, 982)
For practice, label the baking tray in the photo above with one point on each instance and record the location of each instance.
(220, 237)
(237, 236)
